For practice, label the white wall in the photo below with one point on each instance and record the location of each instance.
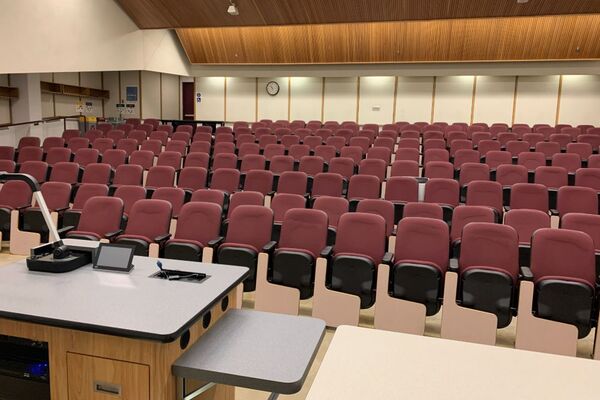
(580, 100)
(76, 35)
(273, 107)
(494, 99)
(455, 99)
(4, 103)
(536, 99)
(306, 99)
(212, 105)
(376, 101)
(340, 101)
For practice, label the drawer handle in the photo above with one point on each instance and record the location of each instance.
(107, 388)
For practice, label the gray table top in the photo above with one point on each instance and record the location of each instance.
(256, 350)
(130, 305)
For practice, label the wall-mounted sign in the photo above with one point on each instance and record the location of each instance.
(131, 93)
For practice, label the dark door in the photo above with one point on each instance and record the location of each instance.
(187, 100)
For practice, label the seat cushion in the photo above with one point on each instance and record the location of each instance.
(135, 237)
(239, 245)
(420, 262)
(294, 250)
(366, 257)
(185, 241)
(83, 235)
(487, 268)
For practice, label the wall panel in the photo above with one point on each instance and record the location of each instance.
(494, 99)
(170, 96)
(4, 103)
(241, 99)
(273, 107)
(212, 106)
(92, 80)
(306, 98)
(453, 98)
(65, 105)
(536, 100)
(131, 78)
(111, 83)
(414, 98)
(376, 102)
(150, 99)
(340, 99)
(580, 100)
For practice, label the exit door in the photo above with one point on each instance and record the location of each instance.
(187, 100)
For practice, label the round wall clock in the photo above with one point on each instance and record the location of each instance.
(272, 88)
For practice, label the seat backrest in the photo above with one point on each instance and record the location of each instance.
(97, 173)
(353, 152)
(508, 175)
(474, 171)
(551, 177)
(153, 146)
(490, 246)
(402, 189)
(327, 184)
(252, 161)
(77, 143)
(160, 176)
(374, 167)
(101, 215)
(86, 191)
(563, 254)
(364, 187)
(526, 222)
(464, 156)
(104, 144)
(487, 145)
(588, 177)
(178, 146)
(138, 135)
(8, 165)
(294, 182)
(577, 199)
(547, 148)
(150, 218)
(462, 215)
(282, 202)
(170, 158)
(223, 147)
(175, 196)
(114, 157)
(311, 165)
(130, 194)
(569, 161)
(15, 194)
(485, 193)
(128, 174)
(405, 168)
(65, 172)
(383, 208)
(37, 169)
(343, 166)
(584, 150)
(334, 207)
(495, 158)
(304, 229)
(422, 240)
(529, 196)
(245, 198)
(225, 179)
(69, 134)
(408, 155)
(361, 234)
(259, 181)
(28, 141)
(423, 210)
(327, 152)
(200, 147)
(439, 169)
(192, 178)
(247, 148)
(442, 191)
(52, 142)
(586, 223)
(199, 221)
(250, 225)
(281, 164)
(209, 196)
(30, 153)
(516, 147)
(86, 156)
(56, 194)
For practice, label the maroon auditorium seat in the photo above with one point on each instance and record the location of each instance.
(101, 218)
(226, 180)
(160, 176)
(175, 196)
(148, 222)
(65, 172)
(577, 199)
(14, 195)
(192, 178)
(129, 194)
(259, 181)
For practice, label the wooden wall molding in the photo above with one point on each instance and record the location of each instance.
(450, 40)
(514, 109)
(560, 84)
(432, 100)
(473, 98)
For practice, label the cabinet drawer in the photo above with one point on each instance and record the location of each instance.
(93, 378)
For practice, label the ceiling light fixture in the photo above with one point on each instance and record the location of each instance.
(232, 9)
(522, 1)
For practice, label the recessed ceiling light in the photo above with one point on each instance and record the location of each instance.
(522, 1)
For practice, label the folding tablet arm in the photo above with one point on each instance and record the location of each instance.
(37, 195)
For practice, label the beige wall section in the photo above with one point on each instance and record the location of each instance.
(453, 99)
(580, 100)
(47, 98)
(4, 103)
(306, 98)
(340, 99)
(65, 105)
(75, 35)
(536, 99)
(92, 80)
(494, 99)
(241, 99)
(170, 96)
(212, 106)
(131, 78)
(150, 94)
(111, 83)
(273, 107)
(414, 98)
(376, 99)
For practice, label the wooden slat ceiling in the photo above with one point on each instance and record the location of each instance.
(149, 14)
(451, 40)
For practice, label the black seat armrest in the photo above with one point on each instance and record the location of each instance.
(388, 258)
(23, 208)
(269, 247)
(554, 212)
(453, 265)
(216, 242)
(64, 230)
(112, 235)
(162, 238)
(59, 210)
(526, 274)
(507, 208)
(327, 252)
